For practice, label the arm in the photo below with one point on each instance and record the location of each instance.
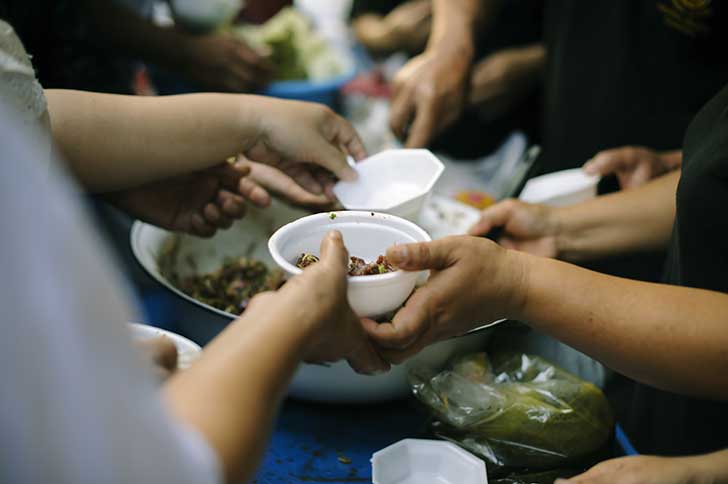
(614, 320)
(115, 142)
(215, 61)
(429, 92)
(628, 221)
(231, 394)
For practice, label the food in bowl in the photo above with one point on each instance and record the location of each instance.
(232, 286)
(298, 52)
(357, 265)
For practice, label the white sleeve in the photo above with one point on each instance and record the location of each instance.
(77, 405)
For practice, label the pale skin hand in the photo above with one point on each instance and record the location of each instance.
(504, 78)
(633, 165)
(474, 281)
(430, 91)
(231, 398)
(620, 223)
(704, 469)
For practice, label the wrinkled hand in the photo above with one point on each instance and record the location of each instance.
(318, 297)
(633, 165)
(526, 227)
(637, 470)
(302, 132)
(428, 95)
(472, 281)
(198, 203)
(221, 62)
(504, 78)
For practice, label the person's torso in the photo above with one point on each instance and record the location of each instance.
(662, 422)
(623, 72)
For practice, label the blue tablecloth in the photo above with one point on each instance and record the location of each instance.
(316, 443)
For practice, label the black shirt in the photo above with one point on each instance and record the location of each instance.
(623, 72)
(662, 422)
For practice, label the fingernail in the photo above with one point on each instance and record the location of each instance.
(398, 254)
(335, 235)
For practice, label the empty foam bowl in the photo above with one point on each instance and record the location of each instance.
(415, 461)
(397, 182)
(366, 235)
(560, 188)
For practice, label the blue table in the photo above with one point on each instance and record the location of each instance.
(317, 443)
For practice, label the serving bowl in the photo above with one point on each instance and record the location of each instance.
(249, 237)
(397, 182)
(367, 235)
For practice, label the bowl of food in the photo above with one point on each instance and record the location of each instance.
(397, 182)
(376, 287)
(307, 66)
(211, 295)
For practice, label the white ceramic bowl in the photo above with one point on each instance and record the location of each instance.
(560, 188)
(187, 351)
(366, 235)
(397, 182)
(415, 461)
(249, 236)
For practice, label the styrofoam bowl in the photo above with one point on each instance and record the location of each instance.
(187, 351)
(561, 188)
(205, 15)
(397, 182)
(416, 461)
(366, 235)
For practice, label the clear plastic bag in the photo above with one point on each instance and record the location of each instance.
(521, 412)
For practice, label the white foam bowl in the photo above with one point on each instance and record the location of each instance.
(397, 182)
(205, 15)
(561, 188)
(336, 383)
(415, 461)
(187, 351)
(366, 235)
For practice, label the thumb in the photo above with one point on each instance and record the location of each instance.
(333, 252)
(604, 163)
(424, 255)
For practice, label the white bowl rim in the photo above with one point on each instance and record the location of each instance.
(292, 269)
(440, 168)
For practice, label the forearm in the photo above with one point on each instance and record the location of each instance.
(454, 24)
(710, 468)
(126, 31)
(654, 333)
(115, 142)
(627, 221)
(232, 393)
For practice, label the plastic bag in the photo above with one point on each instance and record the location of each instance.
(520, 412)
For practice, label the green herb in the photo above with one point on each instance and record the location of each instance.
(332, 215)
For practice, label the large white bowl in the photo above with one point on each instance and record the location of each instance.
(366, 235)
(200, 322)
(397, 182)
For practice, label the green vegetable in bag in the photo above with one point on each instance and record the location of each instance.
(520, 412)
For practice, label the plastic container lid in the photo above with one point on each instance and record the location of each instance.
(414, 461)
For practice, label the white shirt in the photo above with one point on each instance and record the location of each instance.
(77, 405)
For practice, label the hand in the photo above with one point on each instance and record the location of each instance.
(639, 470)
(163, 354)
(293, 182)
(526, 227)
(472, 281)
(301, 132)
(504, 78)
(407, 27)
(429, 93)
(633, 165)
(198, 203)
(318, 298)
(221, 62)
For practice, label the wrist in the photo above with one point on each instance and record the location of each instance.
(518, 268)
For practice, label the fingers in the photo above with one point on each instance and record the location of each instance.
(423, 126)
(401, 111)
(349, 139)
(366, 360)
(200, 227)
(496, 216)
(421, 256)
(281, 183)
(607, 162)
(333, 253)
(334, 160)
(408, 326)
(249, 189)
(231, 204)
(214, 216)
(162, 351)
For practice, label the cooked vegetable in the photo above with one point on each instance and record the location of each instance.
(357, 266)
